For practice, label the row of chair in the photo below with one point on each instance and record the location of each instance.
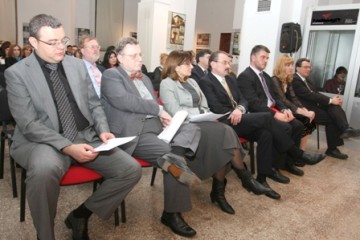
(75, 174)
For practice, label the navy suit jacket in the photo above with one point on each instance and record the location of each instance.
(217, 97)
(249, 84)
(197, 73)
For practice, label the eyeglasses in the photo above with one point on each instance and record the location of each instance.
(93, 47)
(55, 43)
(306, 67)
(224, 62)
(132, 56)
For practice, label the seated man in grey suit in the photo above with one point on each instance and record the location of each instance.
(131, 107)
(59, 121)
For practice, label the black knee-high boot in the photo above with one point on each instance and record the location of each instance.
(217, 195)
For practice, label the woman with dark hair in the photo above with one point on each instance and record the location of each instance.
(14, 55)
(337, 83)
(219, 144)
(283, 76)
(110, 60)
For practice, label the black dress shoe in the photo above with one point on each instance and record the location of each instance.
(79, 227)
(249, 183)
(350, 132)
(335, 153)
(278, 177)
(312, 158)
(291, 168)
(177, 166)
(272, 194)
(299, 163)
(177, 224)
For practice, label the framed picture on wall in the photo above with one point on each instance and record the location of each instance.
(235, 43)
(203, 40)
(176, 31)
(26, 33)
(80, 33)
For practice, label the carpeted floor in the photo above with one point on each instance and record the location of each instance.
(323, 204)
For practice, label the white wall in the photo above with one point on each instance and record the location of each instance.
(130, 16)
(214, 17)
(71, 13)
(153, 16)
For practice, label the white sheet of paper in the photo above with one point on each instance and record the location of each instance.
(209, 116)
(112, 143)
(169, 132)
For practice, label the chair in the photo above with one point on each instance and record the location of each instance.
(6, 134)
(74, 175)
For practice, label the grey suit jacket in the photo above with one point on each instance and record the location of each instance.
(175, 97)
(125, 108)
(34, 110)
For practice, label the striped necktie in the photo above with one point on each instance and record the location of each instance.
(63, 105)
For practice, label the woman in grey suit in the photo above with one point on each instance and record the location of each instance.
(219, 143)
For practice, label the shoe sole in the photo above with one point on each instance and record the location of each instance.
(182, 175)
(337, 157)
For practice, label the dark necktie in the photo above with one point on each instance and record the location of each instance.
(137, 75)
(266, 89)
(64, 109)
(307, 85)
(205, 71)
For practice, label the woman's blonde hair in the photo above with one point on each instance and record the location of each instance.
(279, 69)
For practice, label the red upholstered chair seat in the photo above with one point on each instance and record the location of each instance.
(79, 174)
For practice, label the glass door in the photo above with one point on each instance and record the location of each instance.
(328, 50)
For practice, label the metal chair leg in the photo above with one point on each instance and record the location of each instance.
(13, 177)
(153, 176)
(252, 157)
(22, 195)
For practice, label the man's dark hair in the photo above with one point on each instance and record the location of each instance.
(300, 61)
(214, 57)
(42, 20)
(341, 69)
(259, 48)
(201, 53)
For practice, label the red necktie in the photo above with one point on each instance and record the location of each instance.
(137, 75)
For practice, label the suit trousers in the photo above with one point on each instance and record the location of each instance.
(255, 127)
(150, 148)
(46, 166)
(335, 121)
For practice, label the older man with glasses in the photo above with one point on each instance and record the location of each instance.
(90, 50)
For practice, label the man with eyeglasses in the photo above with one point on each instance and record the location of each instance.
(223, 96)
(327, 110)
(90, 50)
(132, 109)
(59, 121)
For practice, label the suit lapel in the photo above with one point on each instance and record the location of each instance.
(40, 88)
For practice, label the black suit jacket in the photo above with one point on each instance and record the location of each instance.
(197, 73)
(249, 84)
(216, 96)
(309, 97)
